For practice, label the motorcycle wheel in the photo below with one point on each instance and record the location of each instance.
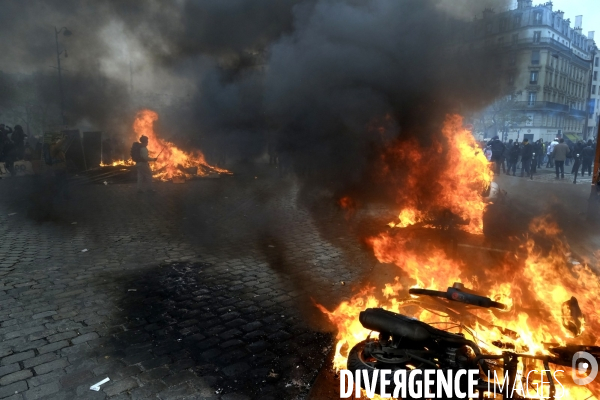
(359, 361)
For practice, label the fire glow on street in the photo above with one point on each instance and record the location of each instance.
(299, 199)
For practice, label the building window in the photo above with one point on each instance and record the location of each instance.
(535, 57)
(595, 75)
(533, 77)
(517, 21)
(531, 98)
(513, 58)
(503, 24)
(537, 35)
(593, 89)
(488, 27)
(596, 61)
(515, 38)
(537, 17)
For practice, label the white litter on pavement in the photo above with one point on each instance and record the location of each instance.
(96, 386)
(12, 214)
(105, 183)
(84, 250)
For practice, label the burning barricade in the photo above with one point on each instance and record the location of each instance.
(172, 164)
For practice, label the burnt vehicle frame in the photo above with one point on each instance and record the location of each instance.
(407, 343)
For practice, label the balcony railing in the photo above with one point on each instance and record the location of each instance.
(541, 105)
(578, 113)
(549, 106)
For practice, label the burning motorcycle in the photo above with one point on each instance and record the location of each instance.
(405, 343)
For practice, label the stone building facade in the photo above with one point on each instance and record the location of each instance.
(546, 70)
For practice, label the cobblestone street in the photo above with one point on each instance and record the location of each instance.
(202, 290)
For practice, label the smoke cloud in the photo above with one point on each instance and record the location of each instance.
(328, 82)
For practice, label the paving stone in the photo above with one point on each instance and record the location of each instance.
(9, 369)
(75, 379)
(44, 314)
(84, 338)
(39, 380)
(236, 369)
(50, 366)
(234, 396)
(15, 388)
(120, 386)
(179, 378)
(17, 357)
(61, 336)
(41, 391)
(61, 296)
(53, 347)
(15, 377)
(32, 362)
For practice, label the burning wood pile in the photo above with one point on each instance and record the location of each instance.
(549, 297)
(173, 164)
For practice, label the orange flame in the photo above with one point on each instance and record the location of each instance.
(172, 162)
(535, 281)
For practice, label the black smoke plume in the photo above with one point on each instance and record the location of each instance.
(327, 82)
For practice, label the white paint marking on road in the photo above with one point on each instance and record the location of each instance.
(96, 386)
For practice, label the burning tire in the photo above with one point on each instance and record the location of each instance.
(370, 355)
(360, 359)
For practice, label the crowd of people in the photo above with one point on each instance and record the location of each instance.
(14, 146)
(528, 157)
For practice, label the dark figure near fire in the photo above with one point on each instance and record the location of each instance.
(560, 152)
(526, 157)
(513, 159)
(497, 152)
(506, 156)
(18, 138)
(576, 155)
(587, 158)
(139, 154)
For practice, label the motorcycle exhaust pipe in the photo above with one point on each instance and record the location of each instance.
(380, 320)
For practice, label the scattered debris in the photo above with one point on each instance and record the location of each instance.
(105, 183)
(96, 386)
(84, 250)
(73, 223)
(12, 214)
(132, 290)
(271, 245)
(343, 283)
(572, 317)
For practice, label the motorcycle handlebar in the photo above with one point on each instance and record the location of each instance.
(457, 295)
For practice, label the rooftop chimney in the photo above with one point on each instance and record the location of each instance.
(522, 4)
(578, 21)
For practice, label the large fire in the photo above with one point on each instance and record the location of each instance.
(536, 279)
(172, 162)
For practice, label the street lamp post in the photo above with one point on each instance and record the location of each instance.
(66, 32)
